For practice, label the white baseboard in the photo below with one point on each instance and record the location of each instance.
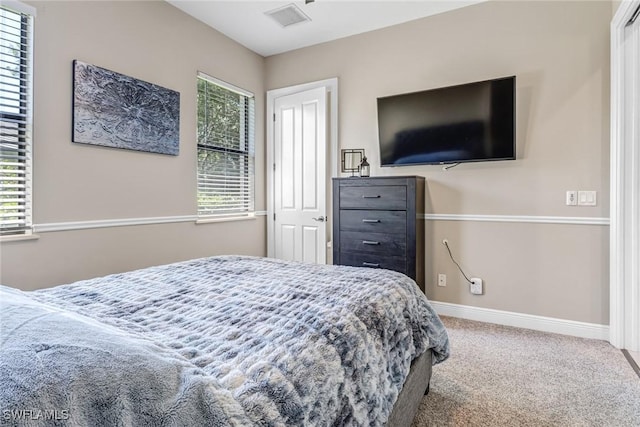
(527, 321)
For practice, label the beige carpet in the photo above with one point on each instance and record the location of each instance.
(503, 376)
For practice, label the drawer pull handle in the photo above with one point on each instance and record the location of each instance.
(364, 196)
(371, 221)
(371, 264)
(370, 242)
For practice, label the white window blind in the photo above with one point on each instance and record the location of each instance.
(16, 41)
(225, 148)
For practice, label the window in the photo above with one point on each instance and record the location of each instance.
(225, 148)
(16, 42)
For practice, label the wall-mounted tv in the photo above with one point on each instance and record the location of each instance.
(471, 122)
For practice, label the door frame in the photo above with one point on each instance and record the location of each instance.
(332, 134)
(624, 251)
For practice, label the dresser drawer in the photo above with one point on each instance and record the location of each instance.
(396, 263)
(373, 221)
(380, 243)
(393, 197)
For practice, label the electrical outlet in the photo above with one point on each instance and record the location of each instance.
(572, 198)
(442, 279)
(475, 287)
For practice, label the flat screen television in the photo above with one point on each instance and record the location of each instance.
(471, 122)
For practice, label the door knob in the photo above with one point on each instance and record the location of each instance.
(320, 219)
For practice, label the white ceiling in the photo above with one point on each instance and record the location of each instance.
(246, 22)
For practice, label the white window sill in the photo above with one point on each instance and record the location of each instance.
(18, 238)
(213, 219)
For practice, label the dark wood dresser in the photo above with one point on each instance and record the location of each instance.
(379, 222)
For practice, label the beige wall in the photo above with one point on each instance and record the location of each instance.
(559, 52)
(63, 257)
(151, 41)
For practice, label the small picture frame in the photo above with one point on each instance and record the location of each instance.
(350, 159)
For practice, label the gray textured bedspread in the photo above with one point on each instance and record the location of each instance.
(217, 341)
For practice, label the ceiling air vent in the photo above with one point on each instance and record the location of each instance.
(288, 15)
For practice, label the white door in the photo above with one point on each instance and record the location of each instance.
(624, 324)
(300, 146)
(632, 211)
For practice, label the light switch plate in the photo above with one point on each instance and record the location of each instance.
(587, 198)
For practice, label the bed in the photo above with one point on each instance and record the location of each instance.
(220, 341)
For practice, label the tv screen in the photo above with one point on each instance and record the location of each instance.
(465, 123)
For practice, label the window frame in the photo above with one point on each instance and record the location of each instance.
(24, 129)
(247, 136)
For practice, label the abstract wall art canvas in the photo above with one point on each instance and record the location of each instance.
(114, 110)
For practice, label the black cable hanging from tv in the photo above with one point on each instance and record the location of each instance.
(634, 17)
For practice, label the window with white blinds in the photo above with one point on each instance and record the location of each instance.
(16, 41)
(225, 148)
